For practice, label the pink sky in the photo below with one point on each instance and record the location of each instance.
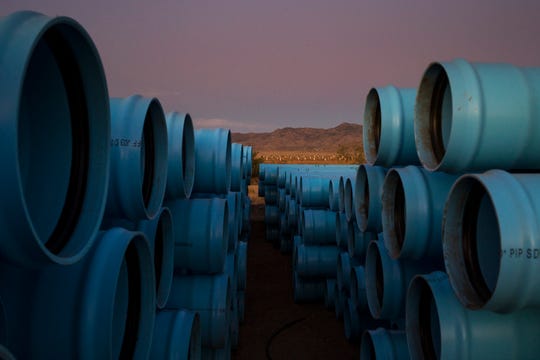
(259, 65)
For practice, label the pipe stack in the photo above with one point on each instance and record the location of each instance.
(106, 253)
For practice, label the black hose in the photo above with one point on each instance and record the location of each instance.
(279, 331)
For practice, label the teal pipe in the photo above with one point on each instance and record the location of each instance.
(210, 296)
(368, 197)
(292, 214)
(242, 264)
(413, 203)
(343, 272)
(358, 243)
(247, 156)
(463, 112)
(344, 231)
(271, 215)
(237, 166)
(351, 322)
(330, 293)
(319, 227)
(201, 234)
(181, 156)
(102, 307)
(340, 299)
(138, 158)
(358, 288)
(388, 131)
(491, 239)
(271, 195)
(333, 194)
(349, 199)
(314, 261)
(212, 161)
(177, 335)
(439, 327)
(54, 140)
(160, 236)
(387, 281)
(314, 192)
(384, 344)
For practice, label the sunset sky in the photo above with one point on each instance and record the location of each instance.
(259, 65)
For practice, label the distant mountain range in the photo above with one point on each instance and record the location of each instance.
(346, 135)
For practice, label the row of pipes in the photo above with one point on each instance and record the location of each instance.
(124, 229)
(443, 237)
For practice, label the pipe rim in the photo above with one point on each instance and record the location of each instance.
(433, 116)
(75, 226)
(362, 198)
(466, 267)
(394, 213)
(372, 126)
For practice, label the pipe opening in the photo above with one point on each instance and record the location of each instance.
(372, 118)
(379, 277)
(365, 204)
(132, 322)
(440, 115)
(159, 249)
(399, 213)
(148, 154)
(54, 154)
(188, 155)
(480, 229)
(429, 326)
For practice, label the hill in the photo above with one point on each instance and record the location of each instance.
(344, 136)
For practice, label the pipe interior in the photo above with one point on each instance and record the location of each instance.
(367, 347)
(440, 114)
(481, 242)
(148, 155)
(194, 350)
(372, 118)
(53, 138)
(379, 277)
(188, 156)
(159, 249)
(429, 325)
(399, 212)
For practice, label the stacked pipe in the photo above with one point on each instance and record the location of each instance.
(210, 259)
(452, 215)
(99, 258)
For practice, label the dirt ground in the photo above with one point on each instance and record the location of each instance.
(275, 327)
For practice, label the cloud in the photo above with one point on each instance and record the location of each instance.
(234, 125)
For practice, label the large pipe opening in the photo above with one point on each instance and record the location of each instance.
(372, 119)
(394, 213)
(482, 260)
(399, 213)
(379, 277)
(54, 154)
(433, 121)
(188, 155)
(428, 320)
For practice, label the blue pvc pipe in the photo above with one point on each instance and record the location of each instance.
(210, 296)
(358, 243)
(319, 227)
(388, 130)
(271, 215)
(231, 270)
(271, 195)
(54, 140)
(307, 290)
(181, 156)
(177, 335)
(159, 233)
(103, 307)
(314, 192)
(281, 196)
(462, 114)
(387, 281)
(349, 199)
(292, 214)
(201, 234)
(413, 204)
(340, 300)
(368, 197)
(358, 288)
(316, 261)
(212, 161)
(138, 158)
(344, 230)
(438, 326)
(333, 194)
(330, 293)
(384, 344)
(247, 157)
(343, 271)
(242, 264)
(237, 166)
(351, 322)
(491, 240)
